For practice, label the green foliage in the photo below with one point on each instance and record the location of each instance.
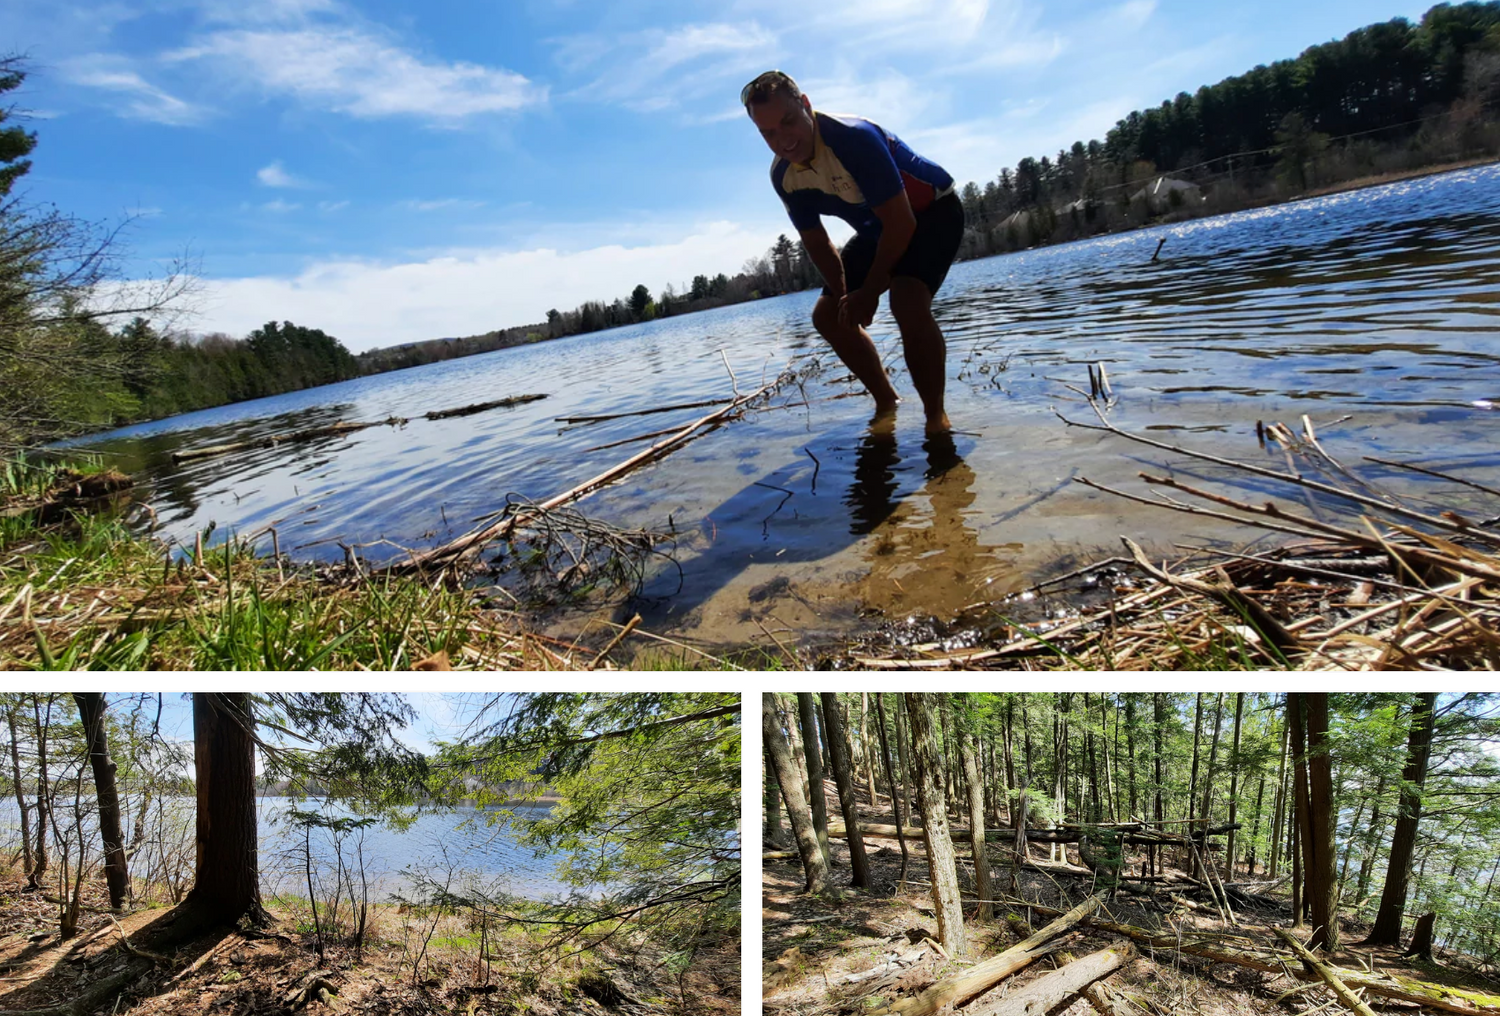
(15, 142)
(640, 299)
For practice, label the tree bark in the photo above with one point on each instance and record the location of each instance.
(1387, 929)
(226, 883)
(844, 780)
(12, 706)
(976, 828)
(1049, 991)
(890, 777)
(773, 834)
(1351, 1001)
(813, 865)
(940, 859)
(1159, 722)
(1322, 879)
(116, 873)
(43, 790)
(813, 752)
(1302, 862)
(956, 990)
(1421, 937)
(1234, 783)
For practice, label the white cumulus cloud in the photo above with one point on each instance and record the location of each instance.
(275, 175)
(351, 70)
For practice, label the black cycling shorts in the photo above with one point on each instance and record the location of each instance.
(940, 230)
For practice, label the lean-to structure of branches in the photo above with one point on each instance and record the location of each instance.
(1136, 853)
(370, 853)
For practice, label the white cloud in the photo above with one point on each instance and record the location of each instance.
(442, 204)
(280, 207)
(659, 70)
(369, 304)
(136, 98)
(350, 70)
(332, 206)
(275, 175)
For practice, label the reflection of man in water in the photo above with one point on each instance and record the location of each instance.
(937, 567)
(908, 223)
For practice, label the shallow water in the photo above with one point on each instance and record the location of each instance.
(1374, 312)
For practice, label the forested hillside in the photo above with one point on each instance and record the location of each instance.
(1358, 821)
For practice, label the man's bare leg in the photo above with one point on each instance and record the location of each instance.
(857, 350)
(922, 342)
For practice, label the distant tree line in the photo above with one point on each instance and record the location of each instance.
(1387, 98)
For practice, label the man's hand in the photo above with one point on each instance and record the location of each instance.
(857, 309)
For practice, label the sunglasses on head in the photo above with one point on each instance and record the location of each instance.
(763, 83)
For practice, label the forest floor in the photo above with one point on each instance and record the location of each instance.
(412, 965)
(812, 944)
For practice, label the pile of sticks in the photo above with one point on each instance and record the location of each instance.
(1368, 581)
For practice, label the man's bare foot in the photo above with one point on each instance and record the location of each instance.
(938, 425)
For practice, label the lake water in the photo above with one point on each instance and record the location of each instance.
(461, 840)
(1375, 312)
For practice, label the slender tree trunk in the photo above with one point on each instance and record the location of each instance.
(1322, 881)
(1359, 810)
(1010, 760)
(1159, 724)
(903, 753)
(976, 827)
(1192, 801)
(813, 865)
(43, 789)
(1387, 929)
(1301, 800)
(866, 749)
(1260, 798)
(838, 754)
(897, 811)
(116, 874)
(1135, 809)
(940, 856)
(1370, 847)
(1206, 813)
(1234, 783)
(226, 884)
(1278, 823)
(12, 706)
(812, 749)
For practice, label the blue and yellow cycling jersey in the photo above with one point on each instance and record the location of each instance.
(855, 166)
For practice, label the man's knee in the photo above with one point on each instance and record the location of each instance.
(825, 316)
(911, 303)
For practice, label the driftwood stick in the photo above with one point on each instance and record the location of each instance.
(955, 991)
(310, 434)
(480, 407)
(1293, 478)
(1187, 509)
(601, 417)
(1433, 472)
(1351, 1001)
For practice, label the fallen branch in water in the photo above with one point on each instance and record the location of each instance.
(601, 417)
(341, 428)
(471, 543)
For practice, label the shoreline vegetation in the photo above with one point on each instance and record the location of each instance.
(1362, 580)
(1389, 101)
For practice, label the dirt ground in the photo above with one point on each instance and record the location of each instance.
(242, 973)
(813, 944)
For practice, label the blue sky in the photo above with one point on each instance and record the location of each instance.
(390, 172)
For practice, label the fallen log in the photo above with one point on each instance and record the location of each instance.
(1004, 835)
(481, 407)
(1108, 1001)
(601, 417)
(1051, 989)
(1385, 985)
(1351, 1001)
(956, 990)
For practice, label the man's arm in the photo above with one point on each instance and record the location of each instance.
(825, 256)
(897, 225)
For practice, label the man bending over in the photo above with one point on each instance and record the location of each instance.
(908, 223)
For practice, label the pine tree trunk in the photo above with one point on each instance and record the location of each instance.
(226, 882)
(1322, 879)
(976, 829)
(43, 790)
(1387, 929)
(1010, 760)
(1192, 801)
(843, 778)
(1279, 820)
(1301, 818)
(866, 749)
(890, 776)
(1135, 809)
(812, 751)
(940, 856)
(1159, 723)
(780, 753)
(116, 874)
